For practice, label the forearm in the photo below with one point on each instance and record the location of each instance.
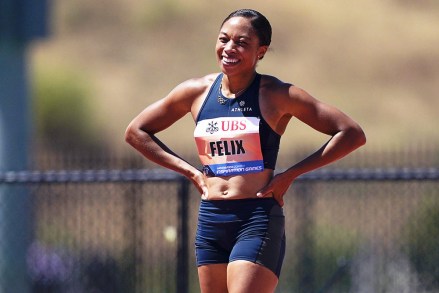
(341, 144)
(156, 151)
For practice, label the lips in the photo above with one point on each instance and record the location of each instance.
(230, 61)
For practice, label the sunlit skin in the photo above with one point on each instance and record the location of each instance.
(238, 51)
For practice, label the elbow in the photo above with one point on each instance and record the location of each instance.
(363, 138)
(130, 134)
(358, 136)
(136, 136)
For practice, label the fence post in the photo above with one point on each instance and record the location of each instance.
(305, 245)
(15, 206)
(183, 237)
(20, 22)
(135, 265)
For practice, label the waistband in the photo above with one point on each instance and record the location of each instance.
(240, 206)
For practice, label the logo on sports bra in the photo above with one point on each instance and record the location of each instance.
(241, 109)
(212, 127)
(226, 125)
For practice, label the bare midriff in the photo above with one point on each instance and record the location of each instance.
(238, 186)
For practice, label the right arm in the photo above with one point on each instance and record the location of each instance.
(140, 133)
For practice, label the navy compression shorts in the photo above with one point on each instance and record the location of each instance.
(242, 229)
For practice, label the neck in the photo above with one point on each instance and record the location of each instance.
(235, 85)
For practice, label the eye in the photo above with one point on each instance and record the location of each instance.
(223, 40)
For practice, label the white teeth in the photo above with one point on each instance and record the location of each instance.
(230, 60)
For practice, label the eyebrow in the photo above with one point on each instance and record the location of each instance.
(239, 37)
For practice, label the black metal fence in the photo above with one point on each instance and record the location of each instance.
(348, 230)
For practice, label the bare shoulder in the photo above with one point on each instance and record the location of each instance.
(276, 94)
(272, 83)
(201, 82)
(182, 99)
(280, 89)
(284, 95)
(194, 87)
(189, 95)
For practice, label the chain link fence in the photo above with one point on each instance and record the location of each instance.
(363, 229)
(350, 230)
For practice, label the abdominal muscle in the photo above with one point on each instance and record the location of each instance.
(237, 186)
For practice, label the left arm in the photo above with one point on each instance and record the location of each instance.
(346, 136)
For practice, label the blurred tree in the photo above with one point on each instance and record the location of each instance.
(63, 111)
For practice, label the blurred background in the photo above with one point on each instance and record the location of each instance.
(101, 62)
(376, 60)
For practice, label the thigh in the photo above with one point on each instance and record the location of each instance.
(213, 278)
(262, 241)
(247, 277)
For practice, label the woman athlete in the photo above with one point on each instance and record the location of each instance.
(240, 116)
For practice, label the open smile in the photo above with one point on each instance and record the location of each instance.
(230, 61)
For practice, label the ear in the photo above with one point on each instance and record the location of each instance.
(261, 52)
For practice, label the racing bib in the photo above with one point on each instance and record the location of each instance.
(229, 145)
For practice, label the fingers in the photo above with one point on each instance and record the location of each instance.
(205, 193)
(280, 200)
(264, 192)
(198, 180)
(270, 192)
(260, 194)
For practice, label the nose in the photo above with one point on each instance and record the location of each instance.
(229, 46)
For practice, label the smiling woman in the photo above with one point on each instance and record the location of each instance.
(239, 48)
(240, 117)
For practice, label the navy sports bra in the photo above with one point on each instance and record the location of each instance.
(232, 136)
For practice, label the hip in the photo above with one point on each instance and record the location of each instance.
(239, 210)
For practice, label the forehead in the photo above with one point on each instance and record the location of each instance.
(238, 27)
